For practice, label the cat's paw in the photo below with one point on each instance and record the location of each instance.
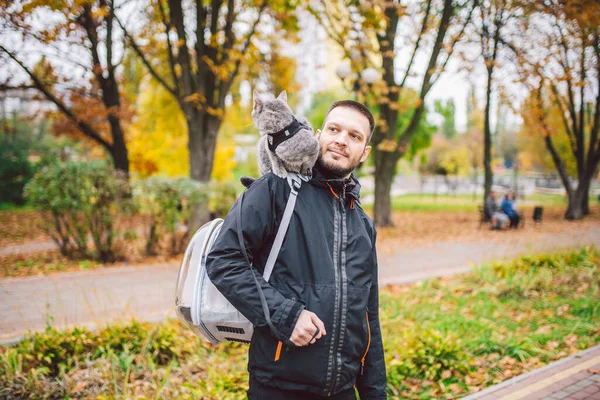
(282, 173)
(306, 172)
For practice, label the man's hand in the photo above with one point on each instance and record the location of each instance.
(306, 327)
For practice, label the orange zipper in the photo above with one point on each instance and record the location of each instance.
(278, 352)
(362, 362)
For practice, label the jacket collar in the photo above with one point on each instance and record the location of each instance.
(348, 186)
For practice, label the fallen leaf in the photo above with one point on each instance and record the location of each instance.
(594, 371)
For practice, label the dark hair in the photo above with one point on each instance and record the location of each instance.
(355, 105)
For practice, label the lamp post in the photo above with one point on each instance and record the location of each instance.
(344, 71)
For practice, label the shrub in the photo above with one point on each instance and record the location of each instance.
(170, 205)
(15, 168)
(427, 354)
(222, 195)
(79, 200)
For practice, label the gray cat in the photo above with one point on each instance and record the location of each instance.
(280, 149)
(286, 144)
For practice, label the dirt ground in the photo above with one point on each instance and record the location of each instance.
(415, 229)
(412, 229)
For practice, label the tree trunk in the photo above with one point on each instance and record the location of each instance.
(118, 149)
(487, 139)
(577, 200)
(385, 163)
(202, 132)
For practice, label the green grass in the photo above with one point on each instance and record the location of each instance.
(459, 203)
(14, 207)
(442, 338)
(549, 199)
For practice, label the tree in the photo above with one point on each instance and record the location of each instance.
(369, 32)
(158, 137)
(203, 61)
(494, 15)
(564, 82)
(80, 37)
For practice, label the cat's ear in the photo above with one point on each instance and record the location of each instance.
(257, 100)
(282, 96)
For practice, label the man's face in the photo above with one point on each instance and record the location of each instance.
(343, 141)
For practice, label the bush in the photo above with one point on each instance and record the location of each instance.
(222, 195)
(53, 352)
(170, 205)
(15, 168)
(79, 200)
(425, 356)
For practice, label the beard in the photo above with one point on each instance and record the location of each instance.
(332, 170)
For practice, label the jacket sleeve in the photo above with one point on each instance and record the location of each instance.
(372, 383)
(229, 271)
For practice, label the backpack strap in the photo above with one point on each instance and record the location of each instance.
(295, 182)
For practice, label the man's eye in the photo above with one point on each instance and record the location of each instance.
(355, 137)
(332, 129)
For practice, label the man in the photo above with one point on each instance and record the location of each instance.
(322, 294)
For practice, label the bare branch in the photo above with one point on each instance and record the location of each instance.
(145, 61)
(454, 42)
(567, 69)
(417, 44)
(563, 114)
(224, 86)
(201, 15)
(426, 83)
(183, 55)
(83, 126)
(215, 7)
(229, 35)
(172, 62)
(558, 162)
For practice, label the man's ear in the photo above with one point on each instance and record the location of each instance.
(317, 133)
(365, 153)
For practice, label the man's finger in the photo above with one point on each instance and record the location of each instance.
(314, 337)
(319, 324)
(310, 329)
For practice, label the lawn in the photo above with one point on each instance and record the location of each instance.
(461, 203)
(443, 338)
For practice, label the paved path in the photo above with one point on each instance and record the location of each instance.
(27, 248)
(574, 378)
(451, 257)
(93, 298)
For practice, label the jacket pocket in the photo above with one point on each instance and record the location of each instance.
(362, 361)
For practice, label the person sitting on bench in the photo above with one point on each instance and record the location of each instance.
(492, 212)
(509, 207)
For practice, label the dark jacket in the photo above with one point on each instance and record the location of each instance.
(327, 264)
(508, 207)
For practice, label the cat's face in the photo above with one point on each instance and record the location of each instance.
(271, 114)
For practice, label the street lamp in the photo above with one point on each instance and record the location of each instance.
(369, 75)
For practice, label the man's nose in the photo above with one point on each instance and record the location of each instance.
(342, 139)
